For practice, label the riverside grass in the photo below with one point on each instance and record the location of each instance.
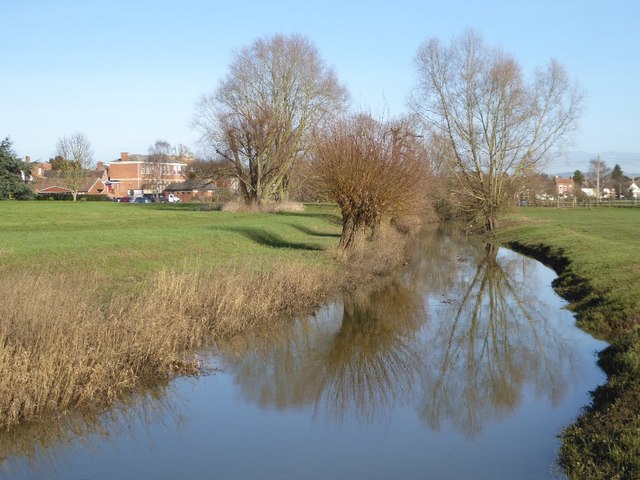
(99, 298)
(597, 256)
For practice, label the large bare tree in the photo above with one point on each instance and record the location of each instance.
(498, 125)
(76, 152)
(260, 118)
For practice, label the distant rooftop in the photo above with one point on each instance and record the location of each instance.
(137, 157)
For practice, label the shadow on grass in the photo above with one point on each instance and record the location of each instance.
(182, 207)
(329, 217)
(269, 239)
(313, 233)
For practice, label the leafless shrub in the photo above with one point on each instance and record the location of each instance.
(375, 171)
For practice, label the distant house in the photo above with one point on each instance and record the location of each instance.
(38, 169)
(131, 174)
(564, 186)
(191, 190)
(634, 191)
(53, 182)
(608, 192)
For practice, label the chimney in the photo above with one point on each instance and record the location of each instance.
(124, 156)
(100, 166)
(27, 159)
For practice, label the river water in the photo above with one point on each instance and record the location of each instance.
(465, 366)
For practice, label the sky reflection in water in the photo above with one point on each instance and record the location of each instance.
(465, 366)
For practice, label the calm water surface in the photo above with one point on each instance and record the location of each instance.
(466, 366)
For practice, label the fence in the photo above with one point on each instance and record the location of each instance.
(588, 203)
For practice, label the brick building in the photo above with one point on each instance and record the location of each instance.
(131, 174)
(564, 186)
(47, 181)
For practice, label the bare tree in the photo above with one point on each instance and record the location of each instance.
(182, 153)
(598, 173)
(157, 168)
(76, 152)
(260, 118)
(373, 170)
(497, 125)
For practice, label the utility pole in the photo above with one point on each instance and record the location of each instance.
(598, 181)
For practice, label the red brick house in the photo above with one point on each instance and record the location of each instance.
(53, 182)
(38, 169)
(564, 186)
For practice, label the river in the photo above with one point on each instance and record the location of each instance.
(465, 366)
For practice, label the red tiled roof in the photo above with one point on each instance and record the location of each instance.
(564, 181)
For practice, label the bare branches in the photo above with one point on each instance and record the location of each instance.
(76, 152)
(260, 118)
(156, 170)
(497, 125)
(373, 170)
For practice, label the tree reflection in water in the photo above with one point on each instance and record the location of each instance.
(459, 336)
(489, 335)
(495, 338)
(371, 362)
(360, 365)
(40, 444)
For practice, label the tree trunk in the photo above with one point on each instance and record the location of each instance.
(353, 234)
(490, 222)
(382, 227)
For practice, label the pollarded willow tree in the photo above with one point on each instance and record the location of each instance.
(375, 171)
(498, 126)
(260, 118)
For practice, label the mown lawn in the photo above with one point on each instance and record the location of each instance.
(128, 241)
(597, 254)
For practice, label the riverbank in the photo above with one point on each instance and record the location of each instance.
(100, 298)
(595, 253)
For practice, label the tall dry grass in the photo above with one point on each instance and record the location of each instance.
(268, 207)
(65, 343)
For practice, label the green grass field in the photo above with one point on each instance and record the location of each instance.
(603, 247)
(597, 253)
(125, 241)
(101, 297)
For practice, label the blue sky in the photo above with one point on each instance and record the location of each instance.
(126, 73)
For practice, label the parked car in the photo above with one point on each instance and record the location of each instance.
(153, 198)
(122, 200)
(171, 198)
(142, 200)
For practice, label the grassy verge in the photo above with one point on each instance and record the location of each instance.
(99, 298)
(596, 254)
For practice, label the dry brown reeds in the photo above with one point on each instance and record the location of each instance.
(283, 206)
(65, 344)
